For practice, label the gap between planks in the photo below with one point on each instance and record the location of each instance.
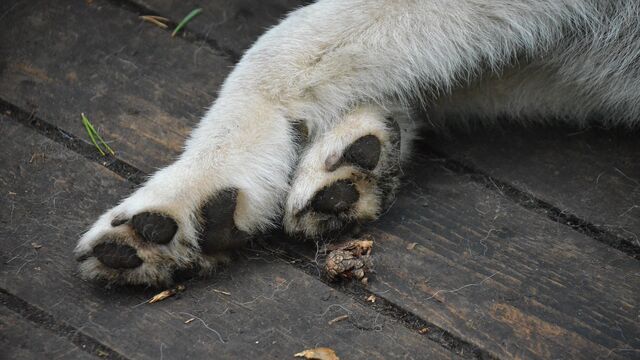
(45, 320)
(186, 33)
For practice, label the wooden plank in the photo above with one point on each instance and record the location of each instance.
(593, 174)
(456, 319)
(499, 276)
(232, 25)
(140, 87)
(273, 309)
(21, 339)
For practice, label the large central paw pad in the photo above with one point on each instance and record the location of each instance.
(348, 175)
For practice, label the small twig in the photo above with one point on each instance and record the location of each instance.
(222, 292)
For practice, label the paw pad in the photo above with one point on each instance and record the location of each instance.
(117, 256)
(155, 228)
(335, 198)
(220, 231)
(364, 153)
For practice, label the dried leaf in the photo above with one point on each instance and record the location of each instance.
(371, 298)
(165, 294)
(36, 246)
(423, 330)
(339, 318)
(158, 21)
(190, 320)
(321, 353)
(411, 246)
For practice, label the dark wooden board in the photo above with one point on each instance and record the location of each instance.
(274, 309)
(542, 320)
(509, 280)
(502, 277)
(21, 339)
(231, 25)
(141, 88)
(593, 174)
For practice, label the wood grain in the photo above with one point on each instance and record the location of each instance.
(504, 278)
(591, 173)
(21, 339)
(232, 25)
(142, 89)
(273, 311)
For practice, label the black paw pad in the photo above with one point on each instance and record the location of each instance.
(154, 227)
(220, 231)
(117, 256)
(118, 221)
(335, 198)
(364, 153)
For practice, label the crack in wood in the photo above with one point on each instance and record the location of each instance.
(47, 321)
(188, 35)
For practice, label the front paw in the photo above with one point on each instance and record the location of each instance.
(133, 246)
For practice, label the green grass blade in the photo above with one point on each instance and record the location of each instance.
(90, 131)
(100, 138)
(186, 19)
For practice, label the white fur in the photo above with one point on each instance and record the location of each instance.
(527, 59)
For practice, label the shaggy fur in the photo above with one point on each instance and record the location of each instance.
(341, 67)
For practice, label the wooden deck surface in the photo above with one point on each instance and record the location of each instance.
(503, 243)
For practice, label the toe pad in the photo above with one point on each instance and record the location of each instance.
(154, 227)
(335, 198)
(117, 256)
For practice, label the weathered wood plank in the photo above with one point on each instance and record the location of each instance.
(140, 87)
(502, 277)
(274, 310)
(593, 174)
(233, 25)
(21, 339)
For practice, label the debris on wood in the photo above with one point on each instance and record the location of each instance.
(411, 246)
(423, 330)
(338, 319)
(186, 19)
(349, 260)
(371, 298)
(158, 21)
(166, 294)
(93, 134)
(102, 353)
(189, 320)
(37, 157)
(222, 292)
(321, 353)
